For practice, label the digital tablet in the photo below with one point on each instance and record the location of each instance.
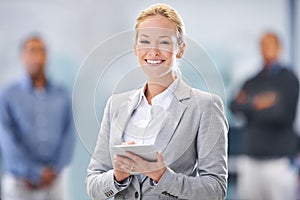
(146, 151)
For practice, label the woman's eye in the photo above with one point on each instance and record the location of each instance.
(144, 42)
(164, 42)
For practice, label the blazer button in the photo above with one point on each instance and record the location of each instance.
(136, 195)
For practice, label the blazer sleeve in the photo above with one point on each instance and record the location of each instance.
(211, 182)
(100, 180)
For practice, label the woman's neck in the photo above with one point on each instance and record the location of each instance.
(156, 86)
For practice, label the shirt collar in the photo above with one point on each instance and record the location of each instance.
(163, 99)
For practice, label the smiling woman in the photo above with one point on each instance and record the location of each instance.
(186, 126)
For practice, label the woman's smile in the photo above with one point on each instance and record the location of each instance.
(154, 62)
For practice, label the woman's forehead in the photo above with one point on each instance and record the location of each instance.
(157, 21)
(156, 32)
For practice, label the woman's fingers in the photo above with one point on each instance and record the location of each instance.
(128, 143)
(122, 163)
(123, 160)
(133, 157)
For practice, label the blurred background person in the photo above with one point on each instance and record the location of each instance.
(36, 130)
(268, 101)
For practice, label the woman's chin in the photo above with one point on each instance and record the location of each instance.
(157, 71)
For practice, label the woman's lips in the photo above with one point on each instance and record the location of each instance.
(154, 62)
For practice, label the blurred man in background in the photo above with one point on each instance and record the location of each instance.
(268, 101)
(36, 130)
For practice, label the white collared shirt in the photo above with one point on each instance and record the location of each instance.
(147, 120)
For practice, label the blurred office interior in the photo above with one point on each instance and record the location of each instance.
(228, 31)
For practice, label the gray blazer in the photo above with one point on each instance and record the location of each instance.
(194, 144)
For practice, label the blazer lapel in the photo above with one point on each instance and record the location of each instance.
(175, 113)
(122, 116)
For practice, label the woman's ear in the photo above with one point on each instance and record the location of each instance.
(180, 51)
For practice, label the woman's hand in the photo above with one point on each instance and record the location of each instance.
(135, 163)
(120, 171)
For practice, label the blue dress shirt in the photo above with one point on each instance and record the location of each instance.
(36, 129)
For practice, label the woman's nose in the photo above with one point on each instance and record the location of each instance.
(153, 52)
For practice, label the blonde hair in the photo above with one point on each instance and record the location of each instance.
(165, 11)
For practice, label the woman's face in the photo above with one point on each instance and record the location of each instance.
(156, 46)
